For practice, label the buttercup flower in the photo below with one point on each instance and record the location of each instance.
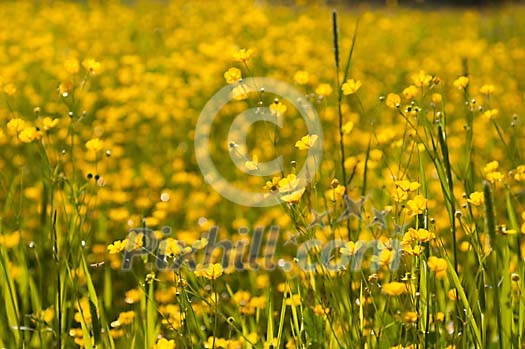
(290, 189)
(461, 83)
(91, 65)
(438, 266)
(301, 77)
(95, 144)
(243, 55)
(233, 75)
(324, 90)
(306, 142)
(351, 86)
(393, 100)
(253, 164)
(394, 288)
(212, 272)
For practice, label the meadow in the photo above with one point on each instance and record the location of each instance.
(409, 234)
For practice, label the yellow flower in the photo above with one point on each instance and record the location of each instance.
(351, 86)
(252, 337)
(416, 206)
(94, 144)
(294, 300)
(239, 93)
(258, 302)
(133, 296)
(399, 195)
(436, 98)
(324, 90)
(289, 183)
(47, 315)
(284, 287)
(10, 89)
(65, 88)
(170, 247)
(29, 134)
(490, 114)
(124, 318)
(320, 310)
(233, 75)
(461, 83)
(241, 297)
(306, 142)
(491, 167)
(163, 343)
(272, 185)
(117, 246)
(262, 281)
(200, 244)
(348, 127)
(83, 310)
(290, 189)
(421, 235)
(393, 100)
(278, 108)
(243, 55)
(350, 248)
(293, 197)
(494, 177)
(394, 288)
(385, 258)
(438, 266)
(487, 89)
(16, 125)
(91, 65)
(476, 198)
(301, 77)
(10, 240)
(407, 185)
(452, 294)
(253, 164)
(519, 173)
(116, 332)
(336, 193)
(410, 316)
(465, 246)
(71, 65)
(212, 272)
(421, 79)
(410, 92)
(412, 251)
(215, 342)
(134, 241)
(49, 123)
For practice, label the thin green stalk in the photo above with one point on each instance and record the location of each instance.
(335, 31)
(490, 221)
(59, 280)
(450, 199)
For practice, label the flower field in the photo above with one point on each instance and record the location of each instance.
(261, 175)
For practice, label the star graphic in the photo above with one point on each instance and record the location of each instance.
(352, 208)
(399, 230)
(292, 239)
(317, 219)
(379, 217)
